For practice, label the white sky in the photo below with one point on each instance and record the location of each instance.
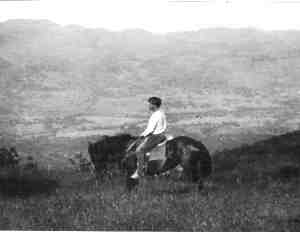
(159, 15)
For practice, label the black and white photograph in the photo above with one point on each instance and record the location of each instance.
(150, 115)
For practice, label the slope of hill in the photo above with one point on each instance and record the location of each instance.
(216, 83)
(253, 188)
(275, 158)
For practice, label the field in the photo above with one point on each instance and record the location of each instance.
(253, 188)
(236, 90)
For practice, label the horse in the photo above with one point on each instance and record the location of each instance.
(190, 154)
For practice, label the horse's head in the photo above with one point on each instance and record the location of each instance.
(109, 149)
(97, 153)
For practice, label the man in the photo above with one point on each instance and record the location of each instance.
(153, 134)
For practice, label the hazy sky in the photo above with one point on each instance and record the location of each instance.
(159, 15)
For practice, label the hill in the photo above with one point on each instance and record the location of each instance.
(226, 86)
(253, 188)
(277, 158)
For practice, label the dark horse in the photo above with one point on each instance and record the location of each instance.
(189, 153)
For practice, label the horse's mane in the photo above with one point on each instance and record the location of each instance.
(117, 138)
(121, 135)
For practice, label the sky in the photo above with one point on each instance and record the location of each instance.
(159, 16)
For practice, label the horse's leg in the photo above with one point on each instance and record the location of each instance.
(100, 171)
(192, 172)
(168, 165)
(131, 168)
(120, 166)
(196, 174)
(202, 169)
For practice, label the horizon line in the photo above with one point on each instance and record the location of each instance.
(147, 30)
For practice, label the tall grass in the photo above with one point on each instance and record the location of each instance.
(253, 188)
(78, 202)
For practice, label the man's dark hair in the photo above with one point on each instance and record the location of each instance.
(155, 101)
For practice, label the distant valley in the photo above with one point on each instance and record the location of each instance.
(224, 86)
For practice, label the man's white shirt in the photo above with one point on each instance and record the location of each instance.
(157, 123)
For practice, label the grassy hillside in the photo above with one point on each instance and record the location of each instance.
(62, 86)
(253, 188)
(225, 86)
(275, 158)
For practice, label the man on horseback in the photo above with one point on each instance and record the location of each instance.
(153, 135)
(186, 153)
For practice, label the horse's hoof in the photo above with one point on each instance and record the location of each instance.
(132, 183)
(200, 186)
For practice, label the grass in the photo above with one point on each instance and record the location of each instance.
(253, 188)
(159, 204)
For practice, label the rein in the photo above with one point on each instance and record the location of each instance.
(135, 143)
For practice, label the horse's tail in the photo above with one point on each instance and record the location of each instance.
(205, 165)
(202, 167)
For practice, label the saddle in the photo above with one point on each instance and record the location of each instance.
(156, 158)
(159, 152)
